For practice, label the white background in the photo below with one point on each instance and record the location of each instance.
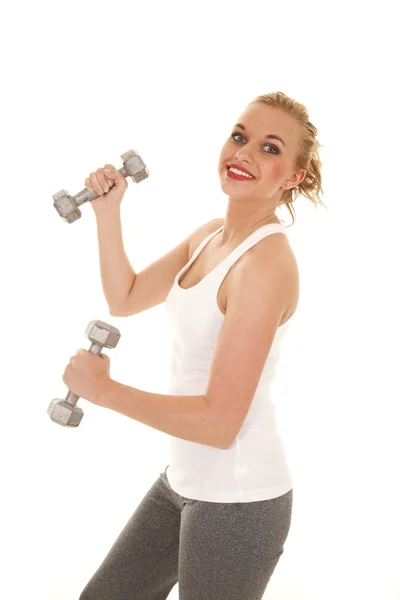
(83, 82)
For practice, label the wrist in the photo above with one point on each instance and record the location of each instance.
(105, 214)
(106, 392)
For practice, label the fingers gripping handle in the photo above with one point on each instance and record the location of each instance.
(67, 206)
(72, 398)
(86, 195)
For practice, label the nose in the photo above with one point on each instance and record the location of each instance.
(243, 154)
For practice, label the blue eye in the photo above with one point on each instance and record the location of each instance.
(240, 135)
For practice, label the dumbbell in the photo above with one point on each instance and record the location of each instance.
(65, 412)
(67, 206)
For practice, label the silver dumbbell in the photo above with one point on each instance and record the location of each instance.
(65, 412)
(67, 205)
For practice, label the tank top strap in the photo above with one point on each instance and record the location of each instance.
(204, 243)
(248, 243)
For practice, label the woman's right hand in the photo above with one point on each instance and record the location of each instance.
(109, 186)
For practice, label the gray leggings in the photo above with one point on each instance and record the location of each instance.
(217, 551)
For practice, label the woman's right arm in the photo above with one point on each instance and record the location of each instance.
(117, 275)
(127, 292)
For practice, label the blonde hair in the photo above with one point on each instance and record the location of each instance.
(308, 153)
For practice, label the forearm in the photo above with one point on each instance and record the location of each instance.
(117, 274)
(185, 417)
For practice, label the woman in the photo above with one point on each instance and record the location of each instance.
(217, 518)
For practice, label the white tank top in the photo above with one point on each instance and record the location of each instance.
(254, 467)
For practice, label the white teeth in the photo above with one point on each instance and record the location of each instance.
(240, 172)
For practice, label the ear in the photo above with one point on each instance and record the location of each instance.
(302, 173)
(295, 179)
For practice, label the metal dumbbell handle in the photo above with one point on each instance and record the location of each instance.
(86, 195)
(72, 398)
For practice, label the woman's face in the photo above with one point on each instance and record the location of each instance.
(269, 160)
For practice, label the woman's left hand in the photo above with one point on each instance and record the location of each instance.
(87, 374)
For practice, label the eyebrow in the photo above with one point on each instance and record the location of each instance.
(270, 136)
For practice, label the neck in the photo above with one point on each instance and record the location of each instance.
(240, 223)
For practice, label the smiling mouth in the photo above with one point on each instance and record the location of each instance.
(234, 175)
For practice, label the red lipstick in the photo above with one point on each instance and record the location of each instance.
(236, 176)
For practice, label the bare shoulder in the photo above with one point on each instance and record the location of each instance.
(276, 250)
(202, 232)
